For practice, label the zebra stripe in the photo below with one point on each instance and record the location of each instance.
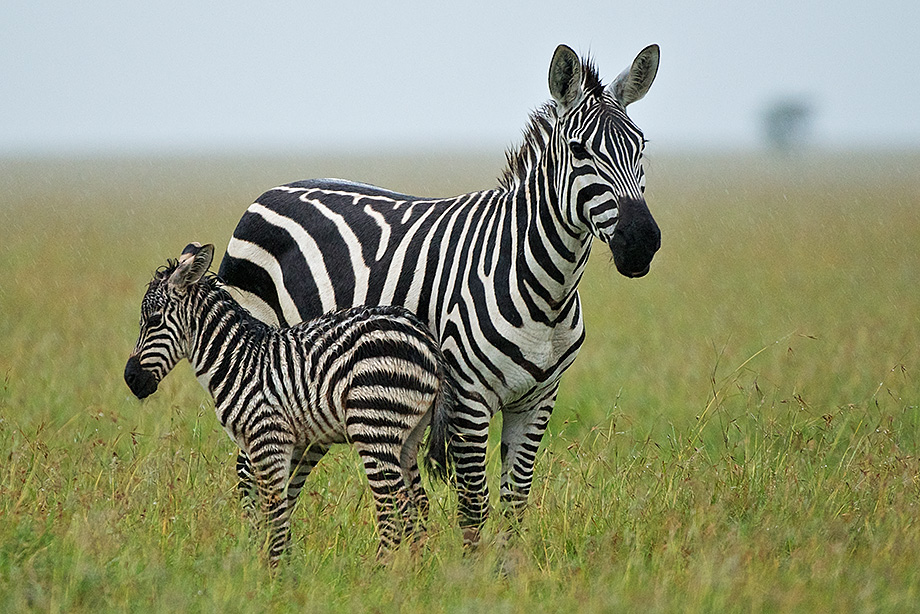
(493, 273)
(374, 377)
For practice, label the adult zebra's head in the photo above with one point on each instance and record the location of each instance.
(597, 152)
(163, 340)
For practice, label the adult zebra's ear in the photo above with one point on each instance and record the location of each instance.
(193, 264)
(565, 79)
(633, 83)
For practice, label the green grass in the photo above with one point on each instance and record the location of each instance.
(740, 433)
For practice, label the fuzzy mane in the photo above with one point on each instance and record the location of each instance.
(519, 161)
(522, 159)
(210, 281)
(162, 273)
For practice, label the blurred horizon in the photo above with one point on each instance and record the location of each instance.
(169, 78)
(237, 179)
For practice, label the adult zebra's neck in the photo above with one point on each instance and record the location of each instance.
(552, 250)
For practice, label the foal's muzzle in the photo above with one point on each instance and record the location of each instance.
(142, 383)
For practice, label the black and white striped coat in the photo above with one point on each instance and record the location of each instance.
(374, 377)
(494, 273)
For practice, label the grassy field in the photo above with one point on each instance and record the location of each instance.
(740, 433)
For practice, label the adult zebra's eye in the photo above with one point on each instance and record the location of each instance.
(154, 319)
(578, 150)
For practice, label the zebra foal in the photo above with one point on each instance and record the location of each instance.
(374, 377)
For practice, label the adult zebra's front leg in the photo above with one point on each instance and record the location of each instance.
(522, 431)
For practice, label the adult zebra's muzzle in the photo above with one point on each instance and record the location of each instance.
(141, 382)
(635, 239)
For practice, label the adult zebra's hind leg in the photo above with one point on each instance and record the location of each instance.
(468, 442)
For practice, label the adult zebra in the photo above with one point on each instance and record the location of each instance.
(493, 273)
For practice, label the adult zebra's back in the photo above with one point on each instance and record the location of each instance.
(492, 273)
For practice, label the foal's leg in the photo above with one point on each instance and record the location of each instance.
(246, 483)
(408, 462)
(391, 495)
(270, 454)
(302, 463)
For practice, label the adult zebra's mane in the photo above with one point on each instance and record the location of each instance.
(521, 161)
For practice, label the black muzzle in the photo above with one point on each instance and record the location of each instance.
(142, 383)
(635, 239)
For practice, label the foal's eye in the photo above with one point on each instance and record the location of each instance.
(578, 150)
(155, 319)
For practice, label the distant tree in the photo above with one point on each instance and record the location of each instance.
(787, 123)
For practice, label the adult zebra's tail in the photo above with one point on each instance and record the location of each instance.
(437, 454)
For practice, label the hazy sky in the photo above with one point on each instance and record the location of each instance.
(261, 76)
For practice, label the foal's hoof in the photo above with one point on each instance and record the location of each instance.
(471, 539)
(384, 559)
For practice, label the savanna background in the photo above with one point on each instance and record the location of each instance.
(741, 431)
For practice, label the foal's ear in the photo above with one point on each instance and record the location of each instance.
(193, 264)
(565, 77)
(633, 83)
